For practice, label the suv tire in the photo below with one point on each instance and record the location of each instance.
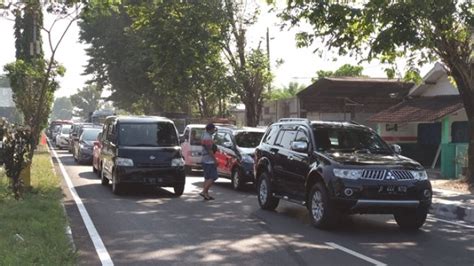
(236, 180)
(321, 211)
(178, 189)
(411, 220)
(117, 188)
(265, 198)
(104, 180)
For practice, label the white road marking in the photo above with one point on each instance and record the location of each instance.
(94, 235)
(356, 254)
(450, 222)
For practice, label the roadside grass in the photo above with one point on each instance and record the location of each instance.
(33, 230)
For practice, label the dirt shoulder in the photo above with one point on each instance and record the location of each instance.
(458, 185)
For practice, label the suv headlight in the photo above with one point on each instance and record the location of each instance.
(419, 175)
(123, 162)
(348, 173)
(177, 162)
(246, 158)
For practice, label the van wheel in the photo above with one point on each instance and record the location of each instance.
(321, 211)
(104, 180)
(411, 220)
(266, 200)
(178, 189)
(188, 170)
(236, 180)
(117, 188)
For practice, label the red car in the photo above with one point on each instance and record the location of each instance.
(235, 153)
(96, 154)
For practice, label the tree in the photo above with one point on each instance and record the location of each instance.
(85, 101)
(62, 109)
(250, 68)
(346, 70)
(33, 78)
(422, 31)
(286, 92)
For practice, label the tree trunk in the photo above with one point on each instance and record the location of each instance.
(462, 74)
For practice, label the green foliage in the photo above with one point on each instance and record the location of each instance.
(286, 92)
(158, 57)
(346, 70)
(17, 142)
(85, 101)
(62, 109)
(38, 218)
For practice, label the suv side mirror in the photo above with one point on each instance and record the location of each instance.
(299, 146)
(396, 148)
(181, 138)
(228, 145)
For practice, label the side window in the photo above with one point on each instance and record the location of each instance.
(302, 136)
(227, 138)
(186, 134)
(219, 138)
(288, 138)
(270, 135)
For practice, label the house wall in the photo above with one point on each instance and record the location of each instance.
(398, 133)
(274, 110)
(442, 87)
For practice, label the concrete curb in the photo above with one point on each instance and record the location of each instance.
(451, 209)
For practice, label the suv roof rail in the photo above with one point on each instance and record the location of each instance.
(355, 123)
(294, 119)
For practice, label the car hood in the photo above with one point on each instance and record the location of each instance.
(249, 151)
(371, 159)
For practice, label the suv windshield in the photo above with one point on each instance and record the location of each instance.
(344, 139)
(90, 134)
(148, 134)
(248, 139)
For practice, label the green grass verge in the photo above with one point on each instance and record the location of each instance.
(38, 218)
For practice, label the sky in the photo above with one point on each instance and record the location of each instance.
(300, 64)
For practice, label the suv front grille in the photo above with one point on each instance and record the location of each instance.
(387, 175)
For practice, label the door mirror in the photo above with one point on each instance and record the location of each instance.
(396, 148)
(299, 146)
(228, 145)
(181, 138)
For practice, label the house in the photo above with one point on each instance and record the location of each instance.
(7, 106)
(350, 98)
(276, 109)
(430, 124)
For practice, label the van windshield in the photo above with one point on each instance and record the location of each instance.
(148, 135)
(196, 135)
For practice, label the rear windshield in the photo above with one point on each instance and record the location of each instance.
(248, 139)
(148, 134)
(65, 130)
(90, 134)
(196, 135)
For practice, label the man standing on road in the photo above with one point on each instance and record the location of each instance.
(209, 162)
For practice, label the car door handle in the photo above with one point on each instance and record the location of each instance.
(291, 158)
(273, 151)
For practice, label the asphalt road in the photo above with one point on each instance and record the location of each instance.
(149, 226)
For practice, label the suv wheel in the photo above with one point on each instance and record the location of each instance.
(236, 181)
(178, 189)
(104, 180)
(265, 198)
(321, 212)
(411, 220)
(116, 186)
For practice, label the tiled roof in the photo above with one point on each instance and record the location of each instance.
(421, 109)
(369, 95)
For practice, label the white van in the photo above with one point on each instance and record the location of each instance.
(191, 145)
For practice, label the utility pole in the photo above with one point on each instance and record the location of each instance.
(268, 57)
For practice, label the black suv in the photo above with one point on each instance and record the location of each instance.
(336, 168)
(143, 150)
